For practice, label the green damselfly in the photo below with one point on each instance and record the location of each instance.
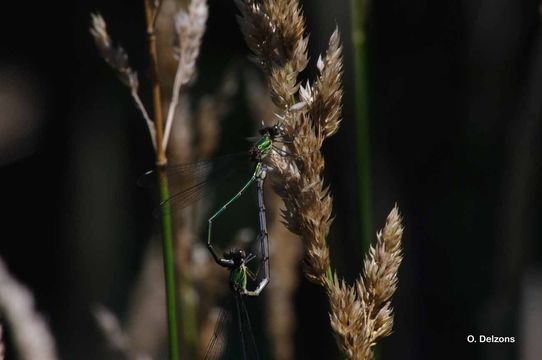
(198, 176)
(236, 261)
(198, 179)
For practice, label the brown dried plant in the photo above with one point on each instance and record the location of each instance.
(274, 30)
(117, 59)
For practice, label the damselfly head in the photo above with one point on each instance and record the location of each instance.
(237, 255)
(264, 130)
(271, 131)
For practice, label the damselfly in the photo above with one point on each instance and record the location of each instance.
(198, 176)
(236, 261)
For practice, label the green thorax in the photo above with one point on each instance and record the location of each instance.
(264, 145)
(238, 278)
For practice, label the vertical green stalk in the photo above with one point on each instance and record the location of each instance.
(363, 156)
(329, 274)
(161, 161)
(188, 317)
(362, 122)
(169, 270)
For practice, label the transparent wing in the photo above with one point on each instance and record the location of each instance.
(251, 350)
(233, 340)
(218, 339)
(191, 171)
(193, 181)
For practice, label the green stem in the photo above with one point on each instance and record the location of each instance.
(161, 161)
(169, 270)
(188, 316)
(362, 122)
(329, 274)
(362, 125)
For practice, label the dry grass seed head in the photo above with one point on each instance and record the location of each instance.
(189, 30)
(116, 57)
(382, 263)
(274, 30)
(365, 308)
(327, 92)
(349, 320)
(260, 34)
(308, 205)
(288, 19)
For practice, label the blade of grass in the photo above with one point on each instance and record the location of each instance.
(161, 161)
(362, 122)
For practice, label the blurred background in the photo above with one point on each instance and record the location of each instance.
(454, 89)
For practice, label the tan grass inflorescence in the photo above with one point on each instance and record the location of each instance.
(274, 30)
(117, 59)
(361, 315)
(189, 31)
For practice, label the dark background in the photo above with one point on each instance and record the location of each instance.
(455, 91)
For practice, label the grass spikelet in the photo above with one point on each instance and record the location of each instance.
(348, 319)
(189, 31)
(382, 263)
(326, 102)
(260, 34)
(274, 31)
(290, 24)
(115, 56)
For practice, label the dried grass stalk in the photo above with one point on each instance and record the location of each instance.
(117, 59)
(360, 314)
(31, 336)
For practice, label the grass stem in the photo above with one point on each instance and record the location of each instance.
(362, 122)
(161, 161)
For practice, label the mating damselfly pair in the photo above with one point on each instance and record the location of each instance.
(243, 282)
